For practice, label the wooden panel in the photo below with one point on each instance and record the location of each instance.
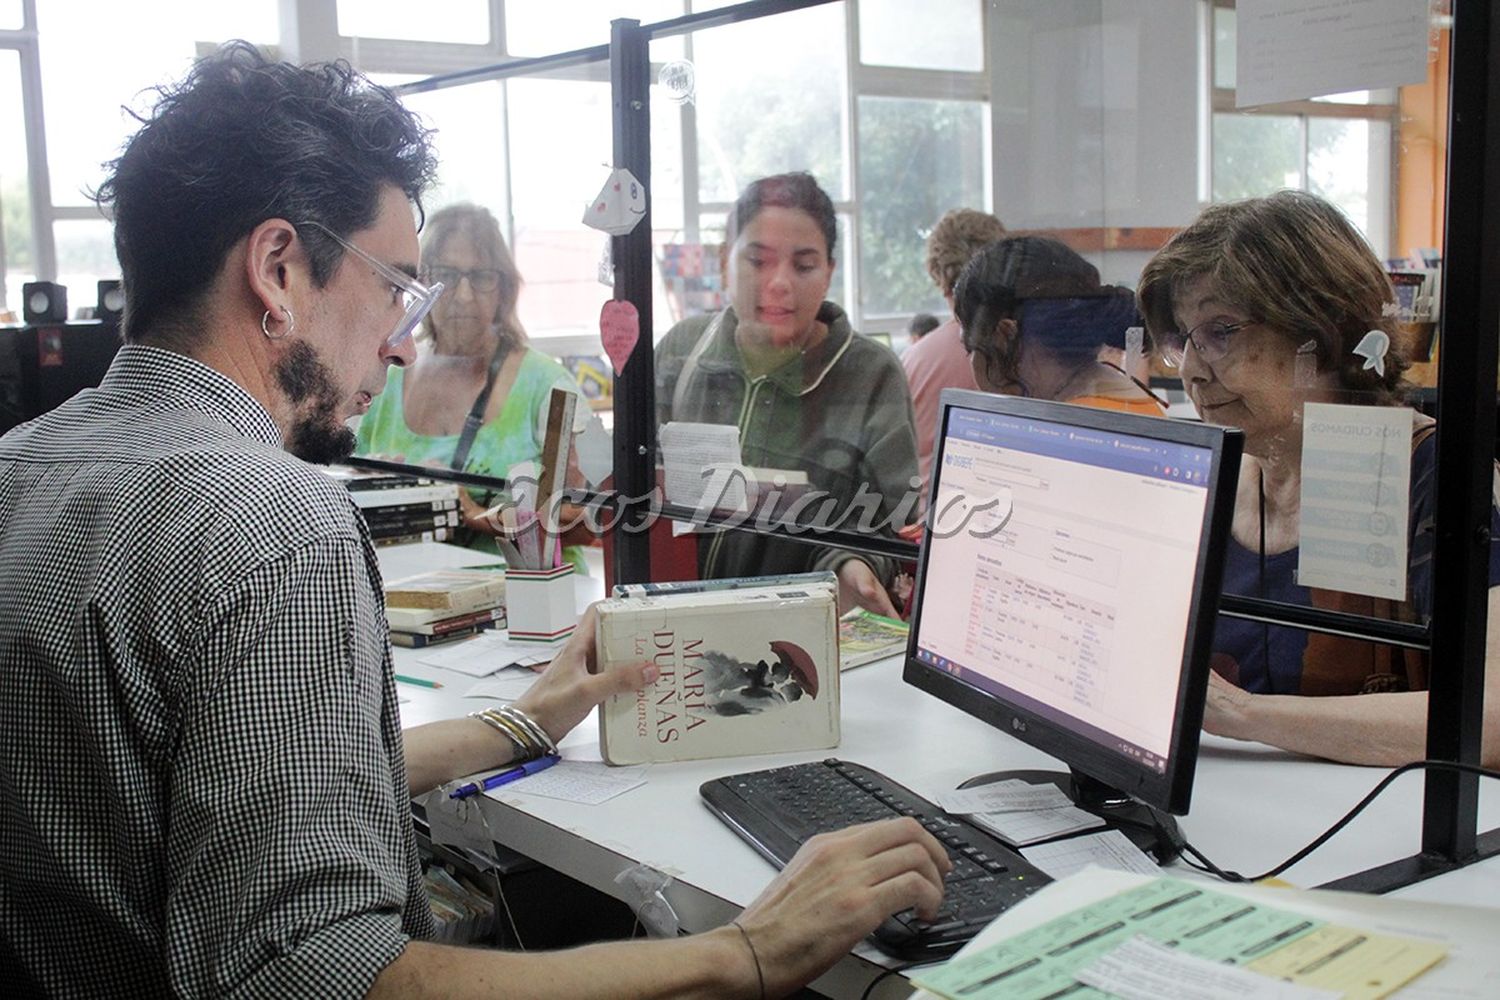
(1096, 239)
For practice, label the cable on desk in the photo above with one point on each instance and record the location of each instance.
(1205, 865)
(892, 971)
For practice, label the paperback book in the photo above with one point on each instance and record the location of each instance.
(407, 538)
(865, 637)
(745, 671)
(417, 640)
(818, 578)
(455, 591)
(411, 620)
(405, 495)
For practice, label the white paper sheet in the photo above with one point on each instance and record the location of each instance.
(484, 654)
(576, 781)
(1290, 50)
(506, 685)
(1012, 795)
(1021, 828)
(1141, 969)
(1356, 476)
(1110, 849)
(690, 448)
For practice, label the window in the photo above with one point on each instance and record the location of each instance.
(534, 28)
(946, 35)
(557, 254)
(17, 264)
(917, 159)
(87, 125)
(771, 99)
(1338, 146)
(463, 21)
(85, 253)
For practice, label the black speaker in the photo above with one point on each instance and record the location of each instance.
(44, 302)
(110, 305)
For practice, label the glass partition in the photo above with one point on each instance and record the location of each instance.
(520, 157)
(1203, 210)
(805, 169)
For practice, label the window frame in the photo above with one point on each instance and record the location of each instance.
(23, 41)
(1221, 100)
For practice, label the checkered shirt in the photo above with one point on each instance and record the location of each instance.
(202, 787)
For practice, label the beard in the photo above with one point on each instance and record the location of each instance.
(317, 435)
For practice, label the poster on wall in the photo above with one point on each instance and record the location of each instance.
(1292, 50)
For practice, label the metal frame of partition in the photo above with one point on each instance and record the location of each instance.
(1465, 456)
(1466, 408)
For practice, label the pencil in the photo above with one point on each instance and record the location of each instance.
(420, 682)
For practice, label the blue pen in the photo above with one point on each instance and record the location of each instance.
(504, 777)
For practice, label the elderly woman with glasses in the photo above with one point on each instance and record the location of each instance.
(476, 399)
(1266, 305)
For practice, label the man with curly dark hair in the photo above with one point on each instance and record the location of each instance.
(204, 783)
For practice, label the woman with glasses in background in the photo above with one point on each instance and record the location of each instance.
(1266, 305)
(476, 399)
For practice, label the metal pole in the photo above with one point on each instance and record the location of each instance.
(635, 386)
(1466, 431)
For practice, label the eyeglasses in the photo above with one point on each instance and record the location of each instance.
(415, 298)
(1210, 339)
(482, 280)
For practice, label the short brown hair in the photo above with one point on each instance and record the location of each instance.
(1295, 263)
(958, 235)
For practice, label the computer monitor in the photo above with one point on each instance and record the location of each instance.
(1081, 622)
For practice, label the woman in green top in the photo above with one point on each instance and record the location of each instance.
(472, 357)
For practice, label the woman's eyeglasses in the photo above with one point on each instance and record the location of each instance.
(481, 280)
(1211, 339)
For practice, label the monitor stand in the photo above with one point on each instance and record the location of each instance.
(1150, 829)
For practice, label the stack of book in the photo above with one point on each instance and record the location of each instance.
(444, 605)
(402, 508)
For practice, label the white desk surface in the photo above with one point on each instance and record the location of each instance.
(1252, 807)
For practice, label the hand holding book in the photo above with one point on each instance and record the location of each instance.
(859, 587)
(571, 687)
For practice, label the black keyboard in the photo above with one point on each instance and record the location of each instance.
(777, 810)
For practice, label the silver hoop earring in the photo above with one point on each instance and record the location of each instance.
(265, 319)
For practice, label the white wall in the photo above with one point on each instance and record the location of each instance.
(1097, 116)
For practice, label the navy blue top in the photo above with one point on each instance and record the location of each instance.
(1241, 647)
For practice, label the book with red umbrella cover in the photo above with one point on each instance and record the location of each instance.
(748, 671)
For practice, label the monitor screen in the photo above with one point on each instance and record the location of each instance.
(1069, 580)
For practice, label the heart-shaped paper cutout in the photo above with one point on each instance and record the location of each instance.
(620, 330)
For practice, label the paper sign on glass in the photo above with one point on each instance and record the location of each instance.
(619, 206)
(1356, 474)
(689, 451)
(1291, 50)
